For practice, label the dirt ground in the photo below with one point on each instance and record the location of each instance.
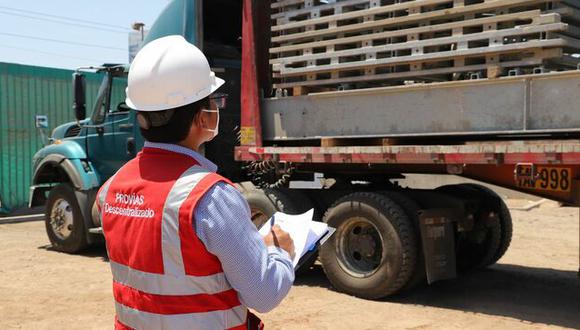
(534, 286)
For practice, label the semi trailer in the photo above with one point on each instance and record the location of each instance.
(519, 132)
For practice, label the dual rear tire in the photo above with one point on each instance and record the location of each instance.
(490, 238)
(373, 252)
(376, 250)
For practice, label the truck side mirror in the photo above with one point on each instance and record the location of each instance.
(79, 96)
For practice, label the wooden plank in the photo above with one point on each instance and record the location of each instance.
(299, 90)
(488, 35)
(397, 21)
(342, 142)
(510, 48)
(285, 3)
(337, 7)
(537, 60)
(533, 14)
(359, 14)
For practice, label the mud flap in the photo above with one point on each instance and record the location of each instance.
(438, 237)
(86, 198)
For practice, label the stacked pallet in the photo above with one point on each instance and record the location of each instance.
(333, 44)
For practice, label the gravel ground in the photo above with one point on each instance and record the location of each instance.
(534, 286)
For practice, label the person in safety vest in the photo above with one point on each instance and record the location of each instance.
(183, 251)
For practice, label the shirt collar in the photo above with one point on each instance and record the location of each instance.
(204, 162)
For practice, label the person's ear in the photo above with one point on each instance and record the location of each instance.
(198, 119)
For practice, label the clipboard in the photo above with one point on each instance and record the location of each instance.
(314, 248)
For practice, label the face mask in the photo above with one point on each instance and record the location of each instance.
(215, 131)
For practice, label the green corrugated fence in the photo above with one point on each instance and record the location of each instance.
(27, 91)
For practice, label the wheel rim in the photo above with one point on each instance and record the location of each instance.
(258, 217)
(61, 219)
(359, 248)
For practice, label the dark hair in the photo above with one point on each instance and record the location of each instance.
(177, 126)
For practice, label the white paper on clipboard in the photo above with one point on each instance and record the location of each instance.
(302, 229)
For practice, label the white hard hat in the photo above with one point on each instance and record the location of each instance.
(168, 73)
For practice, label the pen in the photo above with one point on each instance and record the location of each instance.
(272, 222)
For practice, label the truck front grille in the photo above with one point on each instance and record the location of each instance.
(73, 131)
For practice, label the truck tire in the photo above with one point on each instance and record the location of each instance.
(476, 248)
(505, 220)
(322, 199)
(412, 208)
(64, 221)
(373, 252)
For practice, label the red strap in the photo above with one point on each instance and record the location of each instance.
(167, 305)
(196, 259)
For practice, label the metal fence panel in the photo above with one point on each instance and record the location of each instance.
(27, 91)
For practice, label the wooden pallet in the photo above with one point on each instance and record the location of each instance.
(424, 39)
(372, 55)
(399, 15)
(424, 32)
(534, 59)
(285, 15)
(314, 27)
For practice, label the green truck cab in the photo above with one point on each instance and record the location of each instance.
(82, 155)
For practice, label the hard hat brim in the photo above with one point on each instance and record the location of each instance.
(218, 82)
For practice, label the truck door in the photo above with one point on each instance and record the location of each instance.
(111, 137)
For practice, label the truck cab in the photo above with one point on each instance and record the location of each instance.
(83, 154)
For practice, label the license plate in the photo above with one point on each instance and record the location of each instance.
(550, 179)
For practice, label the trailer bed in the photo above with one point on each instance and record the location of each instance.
(547, 168)
(520, 105)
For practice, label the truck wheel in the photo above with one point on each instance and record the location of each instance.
(373, 252)
(476, 248)
(412, 209)
(323, 200)
(505, 221)
(63, 219)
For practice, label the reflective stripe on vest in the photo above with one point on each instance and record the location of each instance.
(101, 195)
(174, 299)
(171, 243)
(210, 320)
(164, 285)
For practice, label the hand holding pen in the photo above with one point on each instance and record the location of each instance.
(280, 238)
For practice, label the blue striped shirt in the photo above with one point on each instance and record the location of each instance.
(261, 275)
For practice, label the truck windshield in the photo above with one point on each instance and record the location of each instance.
(117, 99)
(99, 110)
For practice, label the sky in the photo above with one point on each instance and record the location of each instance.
(71, 33)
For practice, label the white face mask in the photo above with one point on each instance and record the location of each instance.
(215, 131)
